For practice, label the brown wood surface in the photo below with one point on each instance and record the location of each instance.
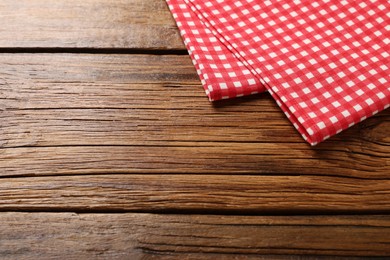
(95, 24)
(85, 114)
(125, 236)
(102, 114)
(195, 193)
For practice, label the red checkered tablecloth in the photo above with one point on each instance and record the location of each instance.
(326, 63)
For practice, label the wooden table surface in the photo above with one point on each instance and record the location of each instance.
(109, 149)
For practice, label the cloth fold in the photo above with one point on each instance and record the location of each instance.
(326, 62)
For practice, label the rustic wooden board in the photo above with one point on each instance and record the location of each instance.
(94, 24)
(86, 114)
(195, 193)
(34, 235)
(89, 131)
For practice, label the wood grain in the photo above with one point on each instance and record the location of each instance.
(85, 114)
(195, 193)
(124, 236)
(102, 133)
(94, 24)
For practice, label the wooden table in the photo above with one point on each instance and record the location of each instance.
(110, 149)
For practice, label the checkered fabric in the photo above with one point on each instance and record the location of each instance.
(325, 62)
(222, 75)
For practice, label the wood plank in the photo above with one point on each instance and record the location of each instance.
(88, 24)
(195, 193)
(85, 114)
(119, 236)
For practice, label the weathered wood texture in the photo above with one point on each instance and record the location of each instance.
(85, 114)
(135, 24)
(100, 132)
(195, 193)
(132, 236)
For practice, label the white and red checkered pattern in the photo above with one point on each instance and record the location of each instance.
(325, 62)
(223, 76)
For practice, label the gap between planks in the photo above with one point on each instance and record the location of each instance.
(125, 51)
